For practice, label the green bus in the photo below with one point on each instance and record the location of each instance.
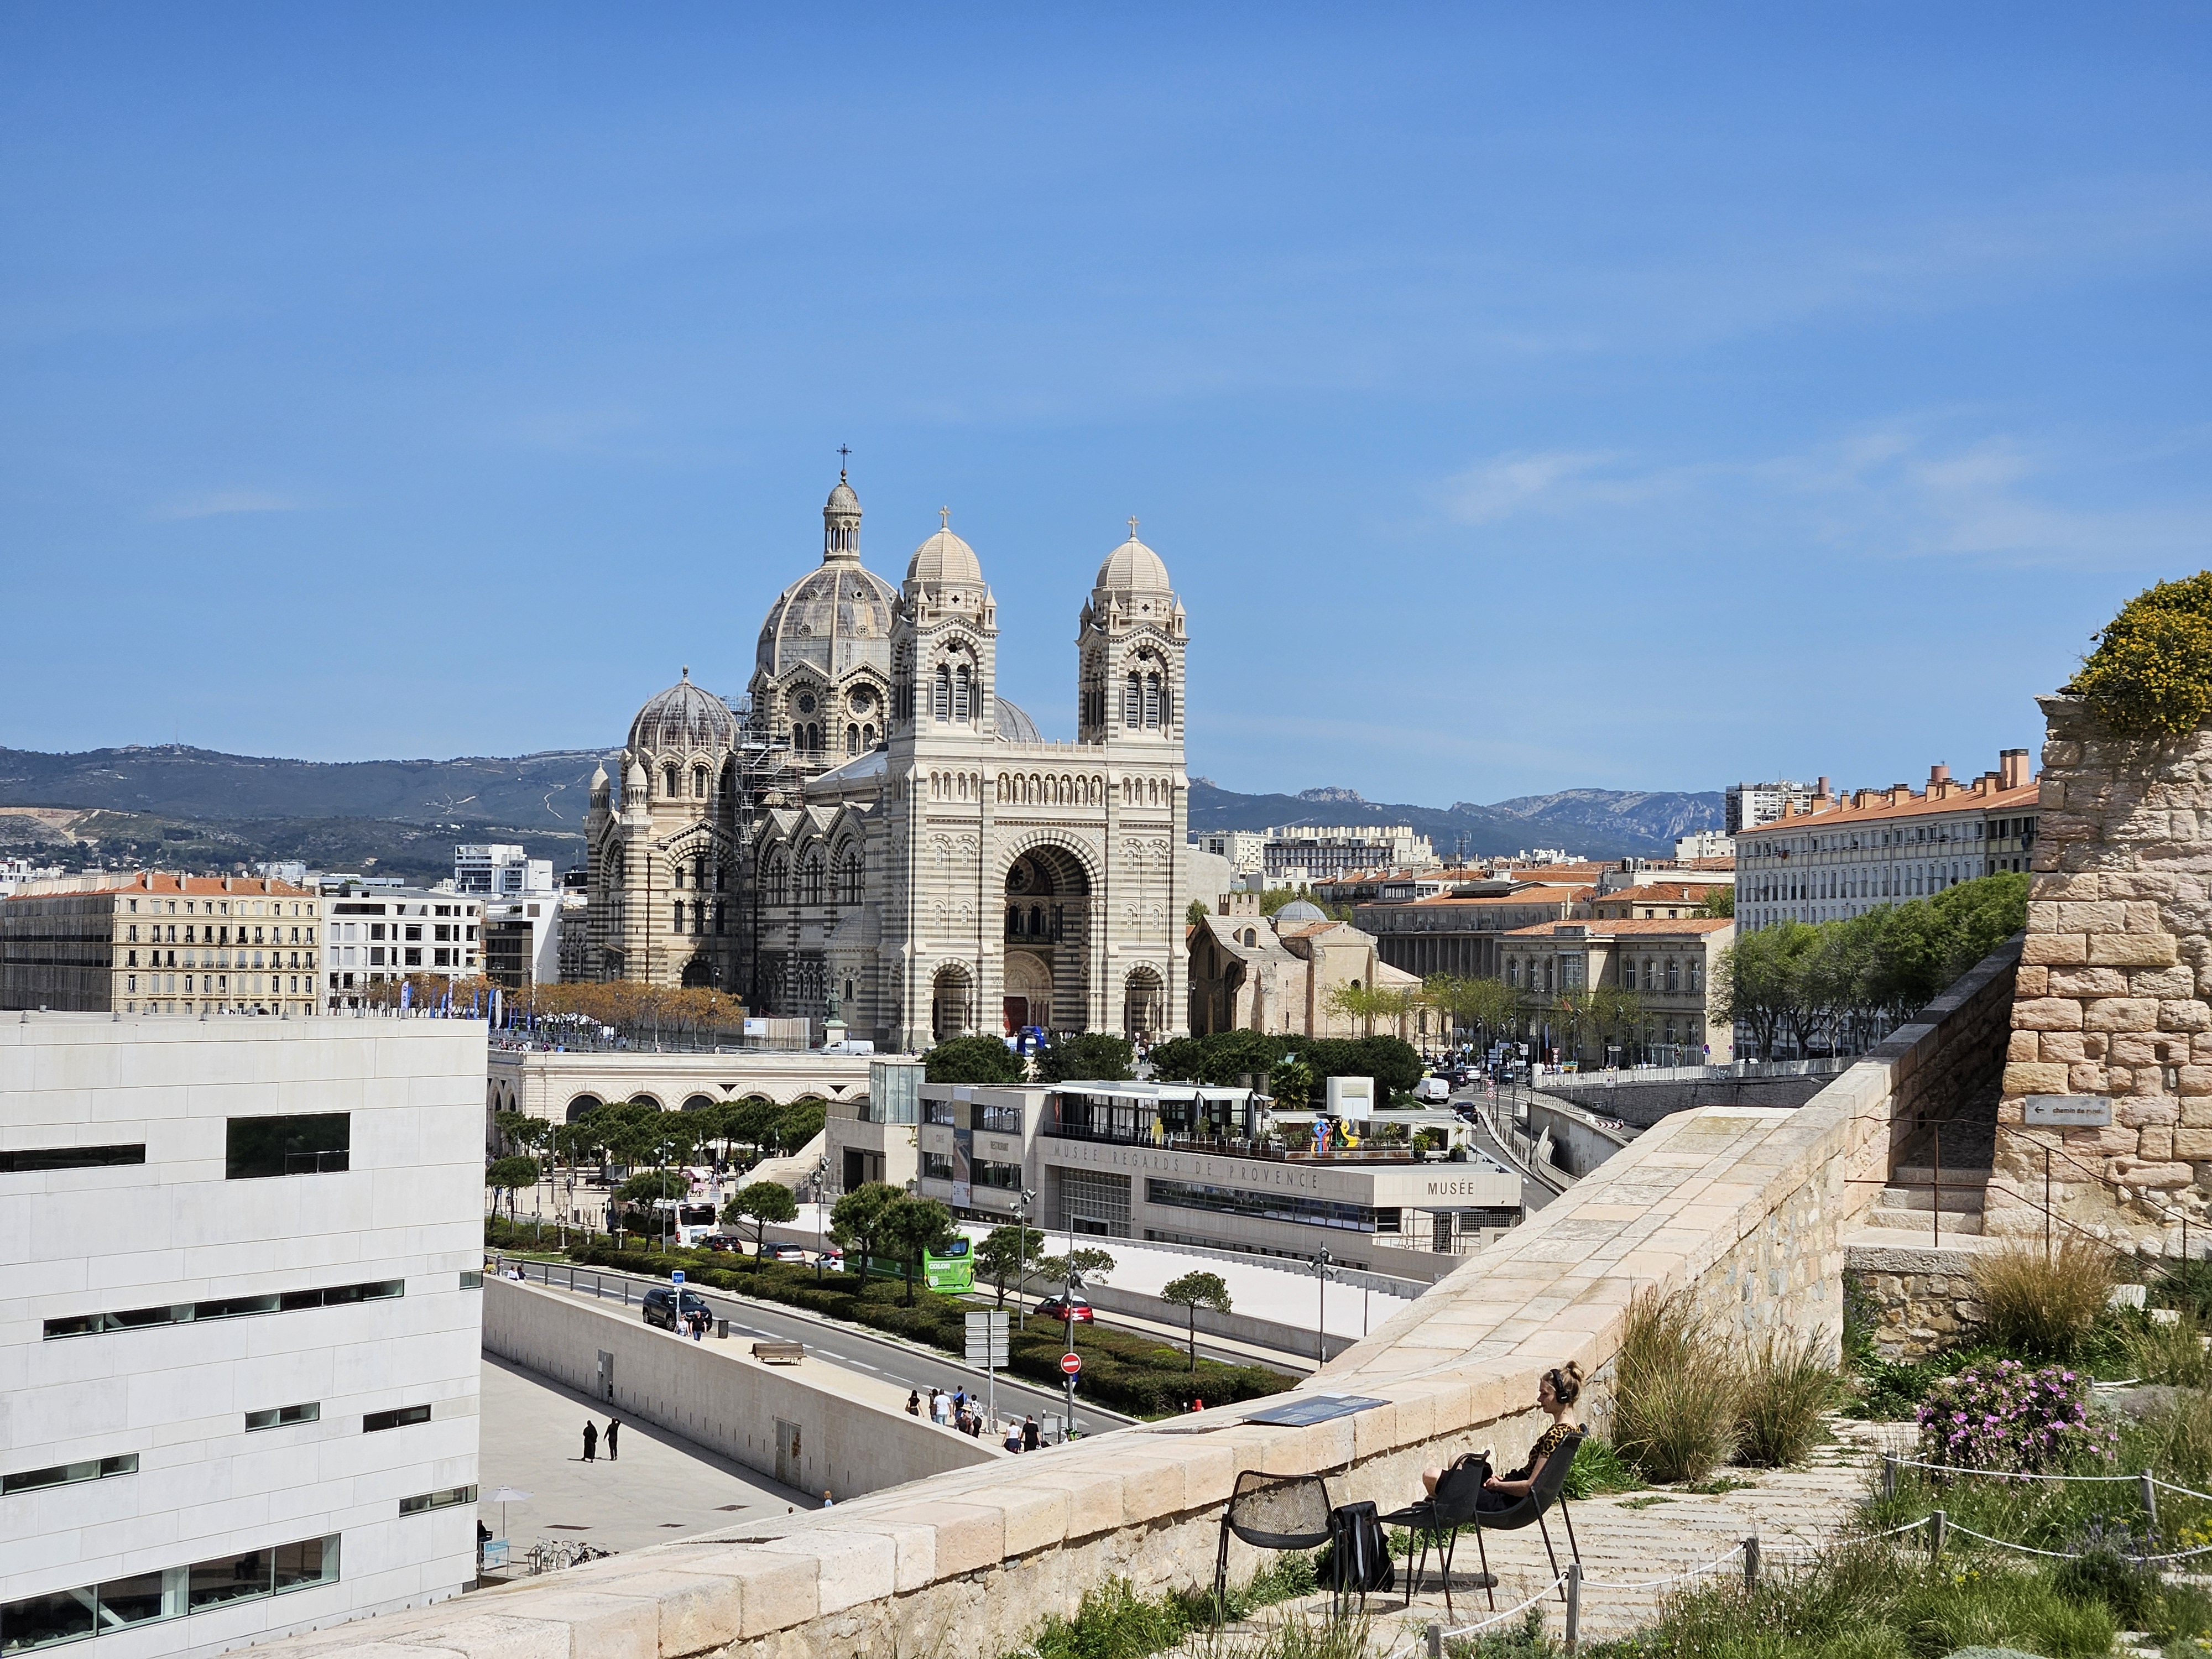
(952, 1272)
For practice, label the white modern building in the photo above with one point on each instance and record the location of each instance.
(1704, 844)
(1300, 854)
(522, 936)
(1844, 856)
(1245, 849)
(379, 935)
(241, 1330)
(1750, 805)
(501, 872)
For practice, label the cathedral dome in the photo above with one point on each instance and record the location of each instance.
(842, 501)
(1298, 910)
(834, 619)
(1015, 725)
(944, 561)
(1133, 567)
(684, 717)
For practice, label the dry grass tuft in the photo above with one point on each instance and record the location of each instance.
(1675, 1389)
(2042, 1306)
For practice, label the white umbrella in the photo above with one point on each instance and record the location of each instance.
(503, 1496)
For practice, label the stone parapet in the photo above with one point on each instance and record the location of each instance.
(1747, 1206)
(2111, 999)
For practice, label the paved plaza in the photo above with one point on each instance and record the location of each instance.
(661, 1487)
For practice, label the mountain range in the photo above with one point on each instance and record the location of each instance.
(202, 809)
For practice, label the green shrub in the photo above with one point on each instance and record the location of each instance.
(1787, 1385)
(2172, 1352)
(2044, 1303)
(2151, 673)
(1599, 1469)
(1121, 1370)
(2184, 1285)
(1675, 1390)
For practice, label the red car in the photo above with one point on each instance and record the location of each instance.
(1064, 1308)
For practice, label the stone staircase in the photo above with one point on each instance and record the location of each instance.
(1908, 1204)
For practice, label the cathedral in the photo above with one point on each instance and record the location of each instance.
(874, 835)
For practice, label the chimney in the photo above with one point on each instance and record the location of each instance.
(2012, 769)
(1937, 774)
(1821, 787)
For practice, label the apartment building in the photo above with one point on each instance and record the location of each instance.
(1456, 933)
(386, 935)
(1841, 857)
(1668, 961)
(154, 944)
(1747, 806)
(489, 869)
(1304, 854)
(241, 1337)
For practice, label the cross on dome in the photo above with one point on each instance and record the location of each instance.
(944, 518)
(843, 450)
(1133, 526)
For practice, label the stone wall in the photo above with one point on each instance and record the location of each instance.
(1745, 1207)
(2111, 998)
(1919, 1300)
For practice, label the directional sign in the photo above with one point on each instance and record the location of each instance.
(987, 1339)
(1071, 1362)
(2068, 1111)
(676, 1278)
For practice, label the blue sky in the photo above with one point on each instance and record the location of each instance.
(1635, 398)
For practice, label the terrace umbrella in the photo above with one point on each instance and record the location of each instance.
(503, 1496)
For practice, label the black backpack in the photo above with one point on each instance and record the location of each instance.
(1357, 1559)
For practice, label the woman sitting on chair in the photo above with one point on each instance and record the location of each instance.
(1556, 1393)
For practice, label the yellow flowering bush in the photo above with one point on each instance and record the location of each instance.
(2151, 673)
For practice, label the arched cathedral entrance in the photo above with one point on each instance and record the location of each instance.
(1048, 941)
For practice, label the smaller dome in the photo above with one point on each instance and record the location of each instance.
(1300, 910)
(1015, 725)
(842, 500)
(1133, 567)
(944, 560)
(683, 718)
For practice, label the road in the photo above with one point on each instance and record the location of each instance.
(894, 1361)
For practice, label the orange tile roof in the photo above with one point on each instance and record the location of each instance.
(1544, 895)
(1605, 927)
(1963, 797)
(1682, 892)
(155, 881)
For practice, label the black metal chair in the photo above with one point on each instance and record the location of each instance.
(1437, 1518)
(1271, 1512)
(1548, 1488)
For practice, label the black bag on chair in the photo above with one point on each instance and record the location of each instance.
(1359, 1558)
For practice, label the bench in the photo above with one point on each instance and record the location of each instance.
(778, 1353)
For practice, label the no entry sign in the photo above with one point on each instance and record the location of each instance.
(1071, 1362)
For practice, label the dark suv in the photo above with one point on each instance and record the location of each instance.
(661, 1305)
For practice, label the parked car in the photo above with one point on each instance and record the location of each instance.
(1433, 1091)
(1065, 1308)
(782, 1253)
(723, 1241)
(830, 1257)
(662, 1309)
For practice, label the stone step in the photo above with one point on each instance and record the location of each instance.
(1920, 1174)
(1957, 1200)
(1920, 1224)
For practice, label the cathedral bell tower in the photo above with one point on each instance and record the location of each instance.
(1129, 654)
(944, 643)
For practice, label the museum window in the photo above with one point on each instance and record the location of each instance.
(284, 1417)
(317, 1143)
(446, 1498)
(67, 1475)
(1002, 1178)
(937, 1166)
(33, 1160)
(399, 1418)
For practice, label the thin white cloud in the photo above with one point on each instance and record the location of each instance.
(1907, 489)
(1516, 482)
(216, 503)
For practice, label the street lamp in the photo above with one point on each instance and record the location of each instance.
(1324, 1270)
(1027, 1197)
(814, 1182)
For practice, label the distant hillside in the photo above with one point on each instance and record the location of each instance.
(1600, 823)
(210, 809)
(551, 790)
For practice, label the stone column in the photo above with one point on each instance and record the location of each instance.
(2109, 1002)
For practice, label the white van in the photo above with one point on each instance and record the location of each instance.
(1433, 1091)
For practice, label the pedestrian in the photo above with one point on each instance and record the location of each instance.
(912, 1402)
(940, 1409)
(1013, 1436)
(827, 1501)
(1197, 1404)
(1029, 1438)
(960, 1419)
(613, 1429)
(591, 1441)
(959, 1400)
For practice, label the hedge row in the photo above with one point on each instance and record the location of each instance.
(1126, 1372)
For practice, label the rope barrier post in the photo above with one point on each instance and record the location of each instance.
(1888, 1476)
(1751, 1562)
(1436, 1640)
(1574, 1607)
(2149, 1500)
(2047, 1206)
(1938, 1523)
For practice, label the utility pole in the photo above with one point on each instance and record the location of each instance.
(1323, 1272)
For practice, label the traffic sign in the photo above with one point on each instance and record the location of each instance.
(1071, 1362)
(676, 1278)
(987, 1339)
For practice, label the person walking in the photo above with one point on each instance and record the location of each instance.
(1029, 1436)
(591, 1441)
(614, 1428)
(913, 1402)
(827, 1502)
